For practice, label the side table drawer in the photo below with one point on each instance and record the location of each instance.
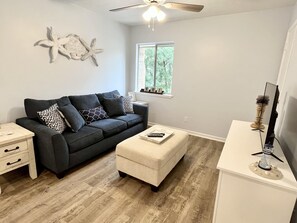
(13, 162)
(14, 148)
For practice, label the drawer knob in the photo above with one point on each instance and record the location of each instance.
(9, 163)
(9, 150)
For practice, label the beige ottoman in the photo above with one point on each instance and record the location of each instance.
(149, 161)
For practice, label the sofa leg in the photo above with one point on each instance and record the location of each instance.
(60, 175)
(122, 174)
(154, 188)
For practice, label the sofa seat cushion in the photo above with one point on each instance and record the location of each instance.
(130, 119)
(86, 136)
(109, 126)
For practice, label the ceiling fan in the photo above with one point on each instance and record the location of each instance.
(154, 13)
(163, 3)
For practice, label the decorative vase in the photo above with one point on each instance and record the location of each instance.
(259, 117)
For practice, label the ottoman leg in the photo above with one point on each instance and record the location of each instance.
(154, 188)
(122, 174)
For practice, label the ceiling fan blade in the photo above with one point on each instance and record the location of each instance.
(183, 6)
(129, 7)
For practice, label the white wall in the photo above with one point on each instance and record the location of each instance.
(25, 70)
(294, 15)
(221, 65)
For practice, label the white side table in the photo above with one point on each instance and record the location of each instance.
(16, 149)
(135, 101)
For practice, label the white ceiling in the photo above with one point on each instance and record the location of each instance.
(211, 8)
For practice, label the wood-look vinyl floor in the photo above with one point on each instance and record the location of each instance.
(94, 192)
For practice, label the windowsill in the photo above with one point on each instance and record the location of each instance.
(168, 96)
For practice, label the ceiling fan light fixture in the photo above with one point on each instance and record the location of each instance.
(153, 11)
(161, 16)
(146, 16)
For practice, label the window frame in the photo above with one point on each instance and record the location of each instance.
(155, 45)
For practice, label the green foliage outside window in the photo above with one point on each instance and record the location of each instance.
(149, 61)
(158, 75)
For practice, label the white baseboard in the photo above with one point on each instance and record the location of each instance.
(193, 133)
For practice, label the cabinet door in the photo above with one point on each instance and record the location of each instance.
(244, 200)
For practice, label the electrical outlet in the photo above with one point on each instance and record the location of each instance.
(186, 118)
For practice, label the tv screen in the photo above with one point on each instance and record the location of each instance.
(270, 113)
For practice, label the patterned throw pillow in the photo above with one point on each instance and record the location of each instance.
(52, 118)
(94, 114)
(128, 106)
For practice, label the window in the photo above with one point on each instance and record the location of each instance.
(155, 66)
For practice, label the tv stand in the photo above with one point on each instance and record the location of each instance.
(243, 196)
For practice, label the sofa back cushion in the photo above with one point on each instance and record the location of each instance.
(83, 102)
(109, 94)
(32, 106)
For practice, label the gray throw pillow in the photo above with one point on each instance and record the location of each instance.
(128, 106)
(72, 117)
(114, 106)
(52, 119)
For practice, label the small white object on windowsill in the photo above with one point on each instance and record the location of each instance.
(132, 95)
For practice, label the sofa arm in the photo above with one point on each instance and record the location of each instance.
(142, 110)
(51, 149)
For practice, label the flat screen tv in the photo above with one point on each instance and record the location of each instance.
(270, 114)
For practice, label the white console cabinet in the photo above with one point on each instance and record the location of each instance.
(245, 197)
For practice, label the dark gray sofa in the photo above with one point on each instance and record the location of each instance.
(60, 152)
